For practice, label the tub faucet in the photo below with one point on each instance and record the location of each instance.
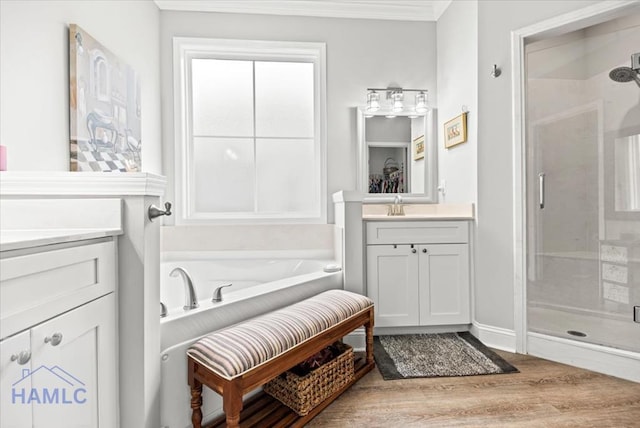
(163, 310)
(217, 294)
(190, 299)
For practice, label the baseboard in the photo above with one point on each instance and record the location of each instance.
(422, 329)
(357, 339)
(494, 337)
(601, 359)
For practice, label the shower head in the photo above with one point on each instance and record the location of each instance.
(624, 74)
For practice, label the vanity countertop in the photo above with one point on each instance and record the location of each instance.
(30, 223)
(20, 239)
(412, 212)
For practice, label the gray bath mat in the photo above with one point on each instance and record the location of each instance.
(435, 355)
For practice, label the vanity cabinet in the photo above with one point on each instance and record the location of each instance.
(58, 346)
(15, 356)
(418, 272)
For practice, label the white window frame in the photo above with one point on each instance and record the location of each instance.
(187, 48)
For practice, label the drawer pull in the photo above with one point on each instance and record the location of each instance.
(55, 339)
(424, 250)
(22, 358)
(413, 250)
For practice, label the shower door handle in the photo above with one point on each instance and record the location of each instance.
(541, 189)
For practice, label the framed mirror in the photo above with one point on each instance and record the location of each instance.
(397, 155)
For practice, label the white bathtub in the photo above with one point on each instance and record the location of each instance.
(259, 286)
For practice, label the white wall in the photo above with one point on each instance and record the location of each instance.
(458, 88)
(494, 250)
(360, 54)
(34, 74)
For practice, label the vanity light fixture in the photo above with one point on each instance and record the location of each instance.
(395, 101)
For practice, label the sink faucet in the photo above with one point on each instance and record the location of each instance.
(396, 208)
(217, 294)
(190, 300)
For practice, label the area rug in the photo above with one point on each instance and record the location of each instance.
(436, 355)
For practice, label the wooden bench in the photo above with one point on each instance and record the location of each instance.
(240, 358)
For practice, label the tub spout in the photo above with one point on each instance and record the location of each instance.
(163, 310)
(217, 294)
(190, 299)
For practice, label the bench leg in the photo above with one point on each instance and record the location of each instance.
(232, 404)
(196, 394)
(368, 328)
(196, 403)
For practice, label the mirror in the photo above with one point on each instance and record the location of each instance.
(396, 156)
(627, 173)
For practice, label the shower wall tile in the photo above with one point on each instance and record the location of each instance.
(613, 253)
(614, 273)
(615, 292)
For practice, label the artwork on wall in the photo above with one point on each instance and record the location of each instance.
(455, 131)
(418, 148)
(104, 108)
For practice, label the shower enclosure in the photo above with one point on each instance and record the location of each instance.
(583, 184)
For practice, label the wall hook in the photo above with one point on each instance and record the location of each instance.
(495, 72)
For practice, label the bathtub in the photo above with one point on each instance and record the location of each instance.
(259, 285)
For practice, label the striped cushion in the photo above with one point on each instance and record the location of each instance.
(234, 350)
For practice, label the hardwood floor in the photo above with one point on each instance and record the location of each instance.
(543, 394)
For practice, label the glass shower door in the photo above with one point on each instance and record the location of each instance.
(583, 186)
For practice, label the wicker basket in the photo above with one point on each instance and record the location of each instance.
(303, 393)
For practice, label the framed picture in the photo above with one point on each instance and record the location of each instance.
(418, 148)
(455, 131)
(104, 108)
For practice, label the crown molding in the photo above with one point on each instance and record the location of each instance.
(402, 10)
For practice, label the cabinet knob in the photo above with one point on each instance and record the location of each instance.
(55, 339)
(22, 358)
(413, 250)
(424, 250)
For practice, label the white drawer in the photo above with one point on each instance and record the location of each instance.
(36, 287)
(417, 232)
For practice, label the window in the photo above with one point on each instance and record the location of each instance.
(250, 131)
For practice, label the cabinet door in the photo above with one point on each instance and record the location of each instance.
(73, 367)
(392, 283)
(15, 383)
(444, 284)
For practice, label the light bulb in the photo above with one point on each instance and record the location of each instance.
(373, 101)
(397, 102)
(421, 103)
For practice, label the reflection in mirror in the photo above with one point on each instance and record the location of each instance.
(396, 155)
(627, 173)
(388, 149)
